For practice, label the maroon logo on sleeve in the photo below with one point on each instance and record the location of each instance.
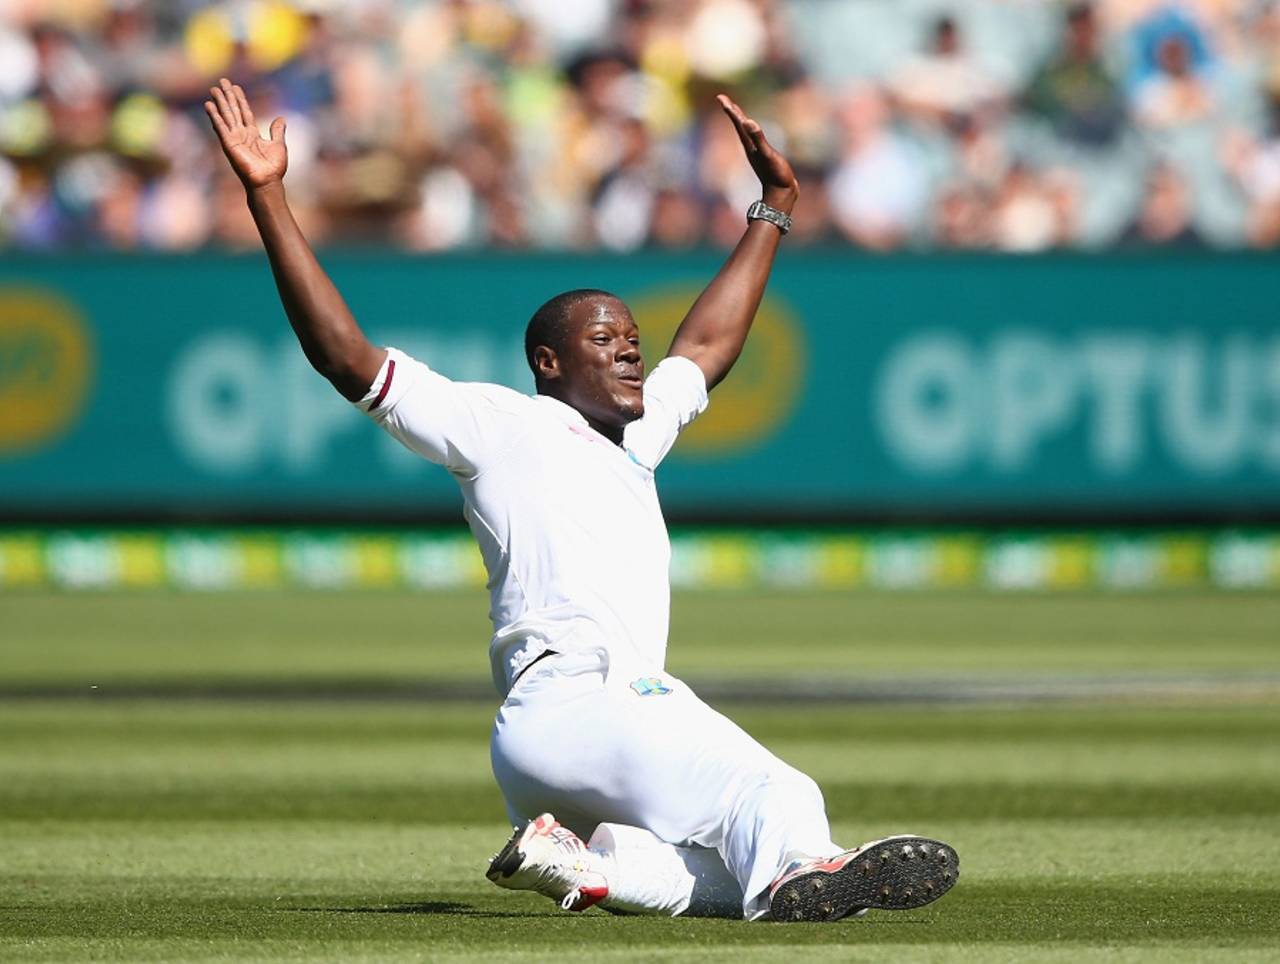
(391, 371)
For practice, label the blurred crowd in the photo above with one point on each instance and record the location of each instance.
(1008, 125)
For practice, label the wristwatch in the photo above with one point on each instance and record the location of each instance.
(759, 211)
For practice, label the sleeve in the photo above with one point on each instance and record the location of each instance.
(460, 425)
(675, 393)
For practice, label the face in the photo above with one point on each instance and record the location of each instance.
(1083, 32)
(599, 371)
(1174, 56)
(947, 39)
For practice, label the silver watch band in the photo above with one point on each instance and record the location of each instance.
(759, 211)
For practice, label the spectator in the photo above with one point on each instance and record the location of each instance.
(607, 94)
(812, 220)
(474, 123)
(1254, 162)
(623, 205)
(1178, 93)
(1074, 91)
(946, 80)
(878, 190)
(962, 217)
(677, 219)
(1165, 217)
(1031, 212)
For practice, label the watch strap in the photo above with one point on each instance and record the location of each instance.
(759, 211)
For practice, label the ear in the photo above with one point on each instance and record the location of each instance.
(547, 363)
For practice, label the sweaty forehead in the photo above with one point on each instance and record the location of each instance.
(600, 310)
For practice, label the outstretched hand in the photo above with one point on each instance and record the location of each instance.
(256, 160)
(777, 180)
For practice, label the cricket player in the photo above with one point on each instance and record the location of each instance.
(685, 813)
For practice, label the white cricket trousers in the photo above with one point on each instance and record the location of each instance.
(576, 738)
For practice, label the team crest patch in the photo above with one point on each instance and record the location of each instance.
(650, 686)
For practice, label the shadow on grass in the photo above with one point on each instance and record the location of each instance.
(449, 907)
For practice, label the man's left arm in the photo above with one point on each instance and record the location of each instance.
(715, 329)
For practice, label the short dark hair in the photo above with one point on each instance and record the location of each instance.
(1079, 11)
(550, 324)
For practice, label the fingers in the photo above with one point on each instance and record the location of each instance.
(225, 112)
(277, 129)
(231, 99)
(749, 132)
(243, 102)
(770, 166)
(229, 109)
(734, 113)
(219, 125)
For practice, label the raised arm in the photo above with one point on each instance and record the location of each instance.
(715, 329)
(329, 335)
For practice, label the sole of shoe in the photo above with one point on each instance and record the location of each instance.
(899, 873)
(509, 859)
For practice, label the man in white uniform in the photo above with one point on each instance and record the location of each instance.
(687, 814)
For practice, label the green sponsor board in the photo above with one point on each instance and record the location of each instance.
(952, 386)
(214, 559)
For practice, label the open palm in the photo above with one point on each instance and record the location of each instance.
(777, 179)
(255, 159)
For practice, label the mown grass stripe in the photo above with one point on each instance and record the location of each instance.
(797, 688)
(416, 802)
(1120, 911)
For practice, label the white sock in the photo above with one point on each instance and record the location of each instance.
(649, 876)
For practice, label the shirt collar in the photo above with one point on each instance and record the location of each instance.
(566, 413)
(571, 416)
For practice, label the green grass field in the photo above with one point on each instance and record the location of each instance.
(342, 829)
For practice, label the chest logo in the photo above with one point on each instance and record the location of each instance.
(650, 686)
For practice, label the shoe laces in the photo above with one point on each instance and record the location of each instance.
(568, 866)
(570, 899)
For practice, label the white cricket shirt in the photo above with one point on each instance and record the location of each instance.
(568, 523)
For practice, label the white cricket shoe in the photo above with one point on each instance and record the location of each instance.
(896, 873)
(552, 860)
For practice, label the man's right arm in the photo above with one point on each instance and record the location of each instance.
(329, 335)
